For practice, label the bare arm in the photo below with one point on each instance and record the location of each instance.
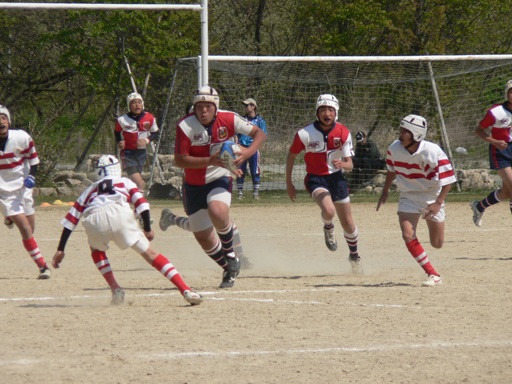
(482, 133)
(290, 188)
(385, 190)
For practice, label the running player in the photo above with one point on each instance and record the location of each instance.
(18, 168)
(424, 176)
(207, 184)
(105, 207)
(328, 154)
(133, 132)
(499, 119)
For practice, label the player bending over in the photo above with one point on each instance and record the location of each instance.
(424, 176)
(107, 216)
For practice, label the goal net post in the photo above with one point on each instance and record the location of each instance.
(375, 93)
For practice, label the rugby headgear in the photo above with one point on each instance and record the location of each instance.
(415, 124)
(134, 96)
(508, 86)
(206, 94)
(328, 100)
(108, 165)
(5, 111)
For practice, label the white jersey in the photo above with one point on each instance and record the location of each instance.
(15, 160)
(107, 191)
(425, 171)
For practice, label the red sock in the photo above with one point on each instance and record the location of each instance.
(101, 261)
(34, 252)
(419, 254)
(165, 267)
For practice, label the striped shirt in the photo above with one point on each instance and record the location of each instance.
(426, 170)
(109, 190)
(16, 159)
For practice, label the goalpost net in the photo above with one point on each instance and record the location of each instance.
(452, 94)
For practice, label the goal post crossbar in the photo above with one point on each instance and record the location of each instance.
(358, 58)
(103, 6)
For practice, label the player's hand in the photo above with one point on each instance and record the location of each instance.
(382, 200)
(122, 144)
(30, 182)
(237, 172)
(215, 160)
(290, 189)
(501, 144)
(149, 235)
(57, 259)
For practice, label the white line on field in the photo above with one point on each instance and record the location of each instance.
(376, 348)
(219, 296)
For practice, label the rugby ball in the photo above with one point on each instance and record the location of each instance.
(228, 156)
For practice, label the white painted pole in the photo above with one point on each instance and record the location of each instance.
(204, 43)
(102, 6)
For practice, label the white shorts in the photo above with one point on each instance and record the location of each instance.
(115, 223)
(17, 202)
(200, 220)
(415, 203)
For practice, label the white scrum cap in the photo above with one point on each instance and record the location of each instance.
(415, 124)
(134, 96)
(108, 165)
(508, 86)
(328, 101)
(5, 111)
(206, 94)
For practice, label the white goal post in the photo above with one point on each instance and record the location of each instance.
(452, 92)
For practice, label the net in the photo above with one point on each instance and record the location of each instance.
(374, 96)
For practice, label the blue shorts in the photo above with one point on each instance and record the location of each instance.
(500, 159)
(335, 183)
(195, 196)
(133, 160)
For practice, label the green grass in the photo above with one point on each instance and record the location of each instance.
(281, 198)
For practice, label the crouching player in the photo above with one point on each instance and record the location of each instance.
(107, 216)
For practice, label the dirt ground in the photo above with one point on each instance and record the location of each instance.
(297, 316)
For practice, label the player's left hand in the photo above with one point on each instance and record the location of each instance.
(30, 182)
(149, 235)
(57, 259)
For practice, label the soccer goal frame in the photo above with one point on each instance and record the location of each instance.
(375, 92)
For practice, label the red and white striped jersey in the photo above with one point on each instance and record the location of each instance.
(194, 139)
(109, 190)
(426, 170)
(500, 119)
(133, 129)
(322, 147)
(15, 160)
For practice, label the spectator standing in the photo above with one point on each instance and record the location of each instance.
(367, 158)
(245, 141)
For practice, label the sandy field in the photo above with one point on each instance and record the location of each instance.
(297, 316)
